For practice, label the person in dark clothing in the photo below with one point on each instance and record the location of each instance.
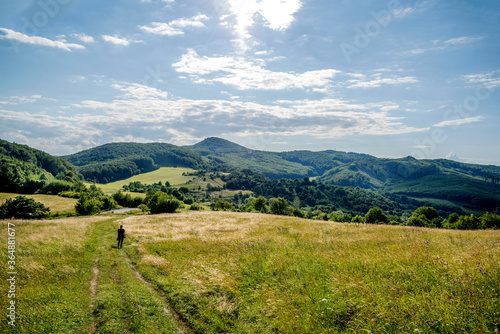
(121, 236)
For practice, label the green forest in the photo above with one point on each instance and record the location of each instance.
(326, 185)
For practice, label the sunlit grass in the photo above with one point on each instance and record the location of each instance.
(252, 273)
(57, 204)
(244, 273)
(170, 174)
(54, 265)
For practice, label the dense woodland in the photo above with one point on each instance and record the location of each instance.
(27, 170)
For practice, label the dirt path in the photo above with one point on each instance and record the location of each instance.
(168, 309)
(93, 290)
(121, 299)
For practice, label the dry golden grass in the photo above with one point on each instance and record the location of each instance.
(278, 270)
(55, 203)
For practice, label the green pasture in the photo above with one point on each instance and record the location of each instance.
(170, 174)
(225, 272)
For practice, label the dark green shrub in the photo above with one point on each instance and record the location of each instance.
(24, 208)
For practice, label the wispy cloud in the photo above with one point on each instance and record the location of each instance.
(16, 100)
(175, 27)
(242, 73)
(378, 81)
(459, 121)
(37, 40)
(438, 45)
(489, 80)
(122, 41)
(84, 38)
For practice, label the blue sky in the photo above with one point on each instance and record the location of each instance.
(388, 78)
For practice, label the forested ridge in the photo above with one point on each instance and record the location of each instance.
(118, 161)
(25, 170)
(447, 185)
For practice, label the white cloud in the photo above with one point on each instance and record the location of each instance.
(244, 74)
(175, 27)
(140, 92)
(276, 14)
(84, 38)
(459, 121)
(279, 13)
(37, 40)
(122, 41)
(142, 113)
(378, 81)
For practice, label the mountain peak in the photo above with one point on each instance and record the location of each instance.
(219, 145)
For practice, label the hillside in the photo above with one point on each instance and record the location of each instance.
(23, 169)
(118, 161)
(449, 183)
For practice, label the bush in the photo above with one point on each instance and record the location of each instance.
(417, 221)
(376, 216)
(279, 206)
(223, 205)
(24, 208)
(160, 202)
(467, 223)
(257, 205)
(490, 220)
(87, 205)
(57, 186)
(196, 207)
(143, 207)
(357, 219)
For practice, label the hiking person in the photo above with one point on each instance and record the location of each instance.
(121, 236)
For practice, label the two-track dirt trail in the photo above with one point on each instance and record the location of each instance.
(122, 301)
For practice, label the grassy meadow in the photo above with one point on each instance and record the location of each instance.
(225, 272)
(57, 204)
(170, 174)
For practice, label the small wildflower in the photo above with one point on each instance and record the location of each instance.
(324, 300)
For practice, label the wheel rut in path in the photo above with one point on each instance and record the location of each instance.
(168, 309)
(93, 290)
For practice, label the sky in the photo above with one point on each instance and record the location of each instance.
(390, 78)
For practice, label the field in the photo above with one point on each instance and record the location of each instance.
(221, 272)
(57, 204)
(170, 174)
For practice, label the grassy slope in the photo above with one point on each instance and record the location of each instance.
(246, 273)
(56, 204)
(252, 273)
(170, 174)
(55, 261)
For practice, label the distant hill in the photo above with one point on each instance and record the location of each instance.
(23, 169)
(449, 183)
(229, 156)
(118, 161)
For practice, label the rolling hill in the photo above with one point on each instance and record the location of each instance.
(118, 161)
(441, 182)
(469, 185)
(22, 168)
